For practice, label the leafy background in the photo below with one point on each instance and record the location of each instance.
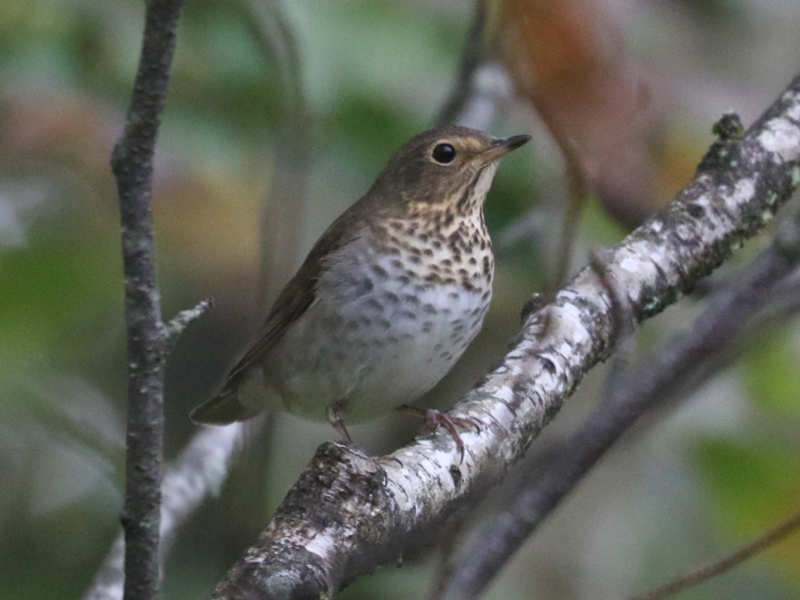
(691, 482)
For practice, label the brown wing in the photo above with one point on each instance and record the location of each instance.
(224, 407)
(298, 294)
(292, 302)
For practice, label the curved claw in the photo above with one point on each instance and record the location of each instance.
(336, 419)
(435, 418)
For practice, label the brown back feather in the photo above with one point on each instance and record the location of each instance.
(298, 295)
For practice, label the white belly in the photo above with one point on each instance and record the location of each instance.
(374, 350)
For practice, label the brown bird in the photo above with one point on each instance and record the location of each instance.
(388, 298)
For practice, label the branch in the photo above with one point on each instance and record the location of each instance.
(148, 338)
(642, 389)
(215, 446)
(762, 542)
(202, 466)
(471, 57)
(481, 87)
(272, 31)
(348, 513)
(177, 324)
(199, 471)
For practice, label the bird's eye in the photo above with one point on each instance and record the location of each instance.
(444, 153)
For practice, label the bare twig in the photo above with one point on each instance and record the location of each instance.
(578, 191)
(481, 86)
(198, 472)
(692, 578)
(202, 466)
(348, 513)
(533, 222)
(275, 38)
(471, 58)
(632, 394)
(177, 324)
(490, 89)
(132, 164)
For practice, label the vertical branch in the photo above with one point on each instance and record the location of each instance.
(148, 338)
(578, 190)
(199, 471)
(274, 35)
(470, 61)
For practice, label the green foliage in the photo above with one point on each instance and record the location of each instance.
(772, 376)
(747, 481)
(56, 281)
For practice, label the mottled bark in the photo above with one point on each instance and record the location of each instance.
(489, 546)
(149, 339)
(348, 513)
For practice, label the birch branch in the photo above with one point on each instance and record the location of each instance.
(652, 384)
(348, 513)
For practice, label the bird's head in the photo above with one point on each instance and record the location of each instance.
(444, 168)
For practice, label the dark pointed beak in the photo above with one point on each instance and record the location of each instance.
(501, 147)
(514, 142)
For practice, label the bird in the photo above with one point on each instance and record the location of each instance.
(387, 299)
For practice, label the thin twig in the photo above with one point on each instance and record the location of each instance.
(199, 471)
(132, 165)
(202, 466)
(470, 60)
(692, 578)
(578, 189)
(177, 324)
(633, 394)
(271, 30)
(578, 192)
(481, 86)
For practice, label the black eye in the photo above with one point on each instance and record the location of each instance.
(444, 153)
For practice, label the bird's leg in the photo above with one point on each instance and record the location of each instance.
(336, 419)
(435, 418)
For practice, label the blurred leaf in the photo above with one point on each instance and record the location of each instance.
(52, 285)
(752, 486)
(748, 481)
(772, 375)
(568, 60)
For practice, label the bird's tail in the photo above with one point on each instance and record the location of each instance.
(222, 409)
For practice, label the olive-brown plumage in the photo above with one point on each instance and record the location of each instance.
(388, 298)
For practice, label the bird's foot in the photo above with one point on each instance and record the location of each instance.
(436, 418)
(336, 419)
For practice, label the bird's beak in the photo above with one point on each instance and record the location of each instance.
(500, 147)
